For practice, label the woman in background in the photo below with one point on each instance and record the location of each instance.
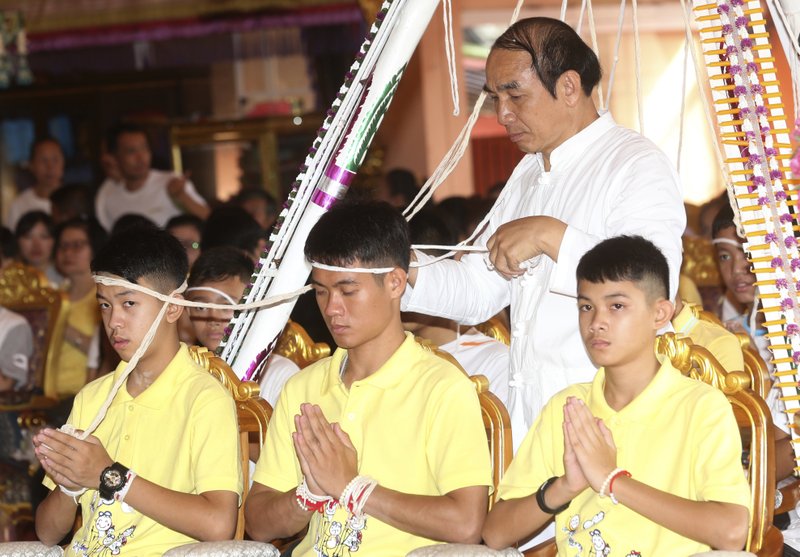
(34, 234)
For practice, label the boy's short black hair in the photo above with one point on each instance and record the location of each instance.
(368, 233)
(148, 253)
(428, 227)
(185, 220)
(723, 220)
(626, 258)
(132, 221)
(220, 263)
(230, 225)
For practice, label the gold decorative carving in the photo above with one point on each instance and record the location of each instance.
(295, 344)
(494, 328)
(700, 261)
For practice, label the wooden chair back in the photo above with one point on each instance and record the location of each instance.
(24, 290)
(253, 413)
(494, 328)
(755, 423)
(754, 365)
(496, 420)
(296, 345)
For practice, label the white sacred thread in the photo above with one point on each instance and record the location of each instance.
(726, 241)
(337, 269)
(212, 290)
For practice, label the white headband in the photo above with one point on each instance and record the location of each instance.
(727, 241)
(212, 290)
(373, 270)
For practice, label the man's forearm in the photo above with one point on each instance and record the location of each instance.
(456, 517)
(55, 517)
(209, 516)
(270, 514)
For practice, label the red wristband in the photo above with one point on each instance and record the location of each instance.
(611, 483)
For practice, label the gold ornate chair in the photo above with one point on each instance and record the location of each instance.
(755, 423)
(496, 420)
(700, 265)
(253, 413)
(494, 328)
(24, 290)
(295, 344)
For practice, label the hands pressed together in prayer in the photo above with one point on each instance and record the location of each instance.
(522, 239)
(590, 454)
(327, 457)
(70, 462)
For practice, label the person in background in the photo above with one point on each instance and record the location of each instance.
(77, 241)
(188, 229)
(71, 201)
(47, 167)
(398, 188)
(219, 276)
(34, 234)
(143, 190)
(260, 204)
(9, 251)
(230, 225)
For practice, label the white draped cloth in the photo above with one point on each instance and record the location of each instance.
(604, 181)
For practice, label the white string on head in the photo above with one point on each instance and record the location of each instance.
(151, 333)
(337, 269)
(683, 103)
(213, 291)
(596, 49)
(620, 24)
(637, 54)
(727, 241)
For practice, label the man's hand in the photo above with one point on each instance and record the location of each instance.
(176, 187)
(591, 442)
(325, 450)
(523, 239)
(70, 462)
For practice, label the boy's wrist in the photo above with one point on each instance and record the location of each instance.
(554, 496)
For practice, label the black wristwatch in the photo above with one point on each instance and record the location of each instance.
(540, 498)
(112, 480)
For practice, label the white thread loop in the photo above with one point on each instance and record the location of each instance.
(450, 51)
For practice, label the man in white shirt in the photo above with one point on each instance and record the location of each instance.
(142, 190)
(47, 166)
(584, 179)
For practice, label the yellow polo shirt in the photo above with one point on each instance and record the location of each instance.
(718, 340)
(70, 373)
(417, 428)
(180, 433)
(679, 436)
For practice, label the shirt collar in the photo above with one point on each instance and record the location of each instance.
(685, 321)
(641, 407)
(387, 376)
(160, 393)
(575, 146)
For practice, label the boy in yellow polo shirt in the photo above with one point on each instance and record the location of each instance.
(642, 461)
(162, 469)
(380, 448)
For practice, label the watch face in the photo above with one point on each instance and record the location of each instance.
(112, 478)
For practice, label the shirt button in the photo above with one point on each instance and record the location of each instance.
(127, 438)
(130, 407)
(351, 416)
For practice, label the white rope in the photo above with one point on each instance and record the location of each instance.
(596, 48)
(728, 241)
(637, 53)
(457, 247)
(581, 15)
(455, 153)
(612, 73)
(450, 51)
(338, 269)
(683, 104)
(563, 15)
(213, 290)
(151, 333)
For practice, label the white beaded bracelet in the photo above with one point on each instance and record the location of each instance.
(604, 488)
(355, 494)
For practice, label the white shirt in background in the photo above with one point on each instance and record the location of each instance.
(479, 354)
(26, 202)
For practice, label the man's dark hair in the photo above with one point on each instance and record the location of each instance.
(626, 258)
(402, 182)
(147, 253)
(554, 48)
(42, 141)
(94, 232)
(723, 220)
(74, 200)
(220, 263)
(185, 220)
(368, 233)
(113, 135)
(30, 219)
(230, 225)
